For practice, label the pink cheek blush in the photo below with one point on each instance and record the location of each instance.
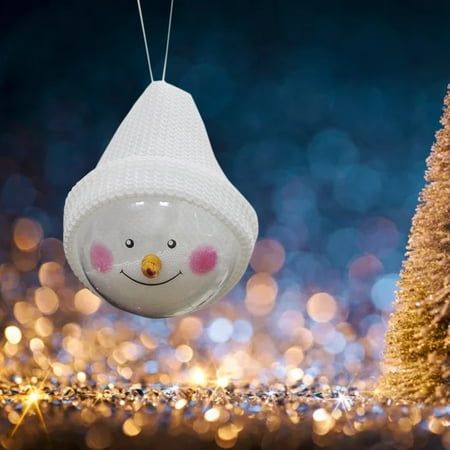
(101, 258)
(203, 260)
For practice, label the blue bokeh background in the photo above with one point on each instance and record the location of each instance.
(321, 113)
(339, 101)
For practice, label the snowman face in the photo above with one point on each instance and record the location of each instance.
(156, 257)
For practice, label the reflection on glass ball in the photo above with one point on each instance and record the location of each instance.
(156, 257)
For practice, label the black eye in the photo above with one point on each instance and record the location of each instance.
(129, 243)
(172, 243)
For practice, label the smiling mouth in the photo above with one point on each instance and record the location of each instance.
(151, 284)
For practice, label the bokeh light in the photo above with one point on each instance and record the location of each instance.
(13, 334)
(27, 234)
(86, 302)
(383, 291)
(321, 307)
(268, 256)
(184, 353)
(220, 330)
(46, 300)
(261, 294)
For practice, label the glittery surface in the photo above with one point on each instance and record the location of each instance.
(214, 416)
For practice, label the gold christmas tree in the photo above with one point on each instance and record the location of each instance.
(417, 354)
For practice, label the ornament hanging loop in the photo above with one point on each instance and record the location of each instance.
(147, 53)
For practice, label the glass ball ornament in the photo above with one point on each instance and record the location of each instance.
(156, 228)
(162, 257)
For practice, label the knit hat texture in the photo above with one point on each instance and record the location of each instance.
(161, 149)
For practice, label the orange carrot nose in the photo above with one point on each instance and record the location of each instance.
(151, 266)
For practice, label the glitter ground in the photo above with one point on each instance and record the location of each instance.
(77, 416)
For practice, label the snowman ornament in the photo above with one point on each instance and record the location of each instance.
(156, 228)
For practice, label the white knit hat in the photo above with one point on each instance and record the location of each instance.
(161, 148)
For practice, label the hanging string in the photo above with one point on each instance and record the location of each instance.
(169, 27)
(145, 40)
(167, 41)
